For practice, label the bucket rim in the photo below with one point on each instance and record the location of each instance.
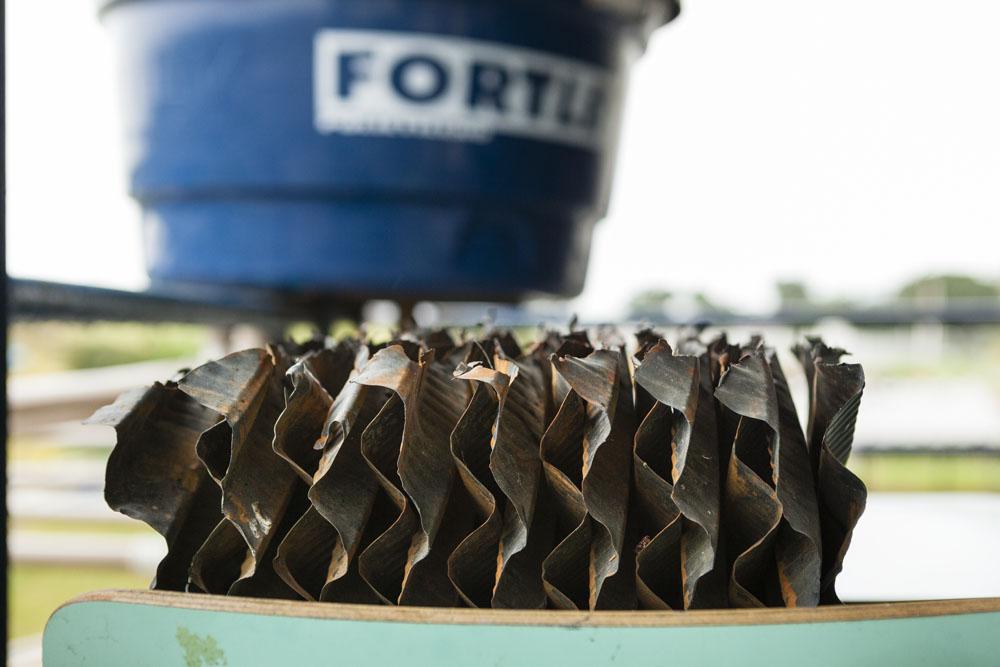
(652, 13)
(649, 14)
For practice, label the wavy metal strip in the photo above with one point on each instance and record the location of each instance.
(565, 569)
(345, 490)
(313, 382)
(513, 437)
(799, 541)
(603, 381)
(154, 475)
(382, 564)
(472, 566)
(751, 510)
(432, 405)
(257, 487)
(835, 396)
(691, 462)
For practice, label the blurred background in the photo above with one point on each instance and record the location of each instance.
(786, 168)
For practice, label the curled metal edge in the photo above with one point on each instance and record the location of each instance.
(603, 381)
(800, 541)
(345, 490)
(264, 581)
(344, 582)
(225, 565)
(676, 381)
(222, 558)
(154, 475)
(245, 387)
(314, 381)
(565, 569)
(751, 510)
(835, 397)
(515, 466)
(317, 557)
(472, 565)
(433, 403)
(304, 558)
(382, 563)
(658, 557)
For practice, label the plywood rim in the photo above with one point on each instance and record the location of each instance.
(449, 616)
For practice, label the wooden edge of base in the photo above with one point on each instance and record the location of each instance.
(453, 616)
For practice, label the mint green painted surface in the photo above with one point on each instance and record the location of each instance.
(111, 633)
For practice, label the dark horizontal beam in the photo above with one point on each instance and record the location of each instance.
(221, 305)
(40, 300)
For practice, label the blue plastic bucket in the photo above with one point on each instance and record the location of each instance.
(394, 148)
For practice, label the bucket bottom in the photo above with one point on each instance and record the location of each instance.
(361, 250)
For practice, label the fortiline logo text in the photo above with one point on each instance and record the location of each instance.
(393, 83)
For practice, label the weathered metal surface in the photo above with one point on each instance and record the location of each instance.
(474, 473)
(752, 510)
(154, 474)
(432, 405)
(258, 488)
(685, 457)
(565, 570)
(799, 542)
(472, 566)
(835, 391)
(311, 385)
(383, 562)
(602, 383)
(514, 415)
(345, 490)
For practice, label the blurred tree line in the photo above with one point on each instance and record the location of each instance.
(795, 295)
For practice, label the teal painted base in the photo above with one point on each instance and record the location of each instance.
(159, 632)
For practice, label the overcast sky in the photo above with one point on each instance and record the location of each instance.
(852, 145)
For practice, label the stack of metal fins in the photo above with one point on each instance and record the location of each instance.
(427, 471)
